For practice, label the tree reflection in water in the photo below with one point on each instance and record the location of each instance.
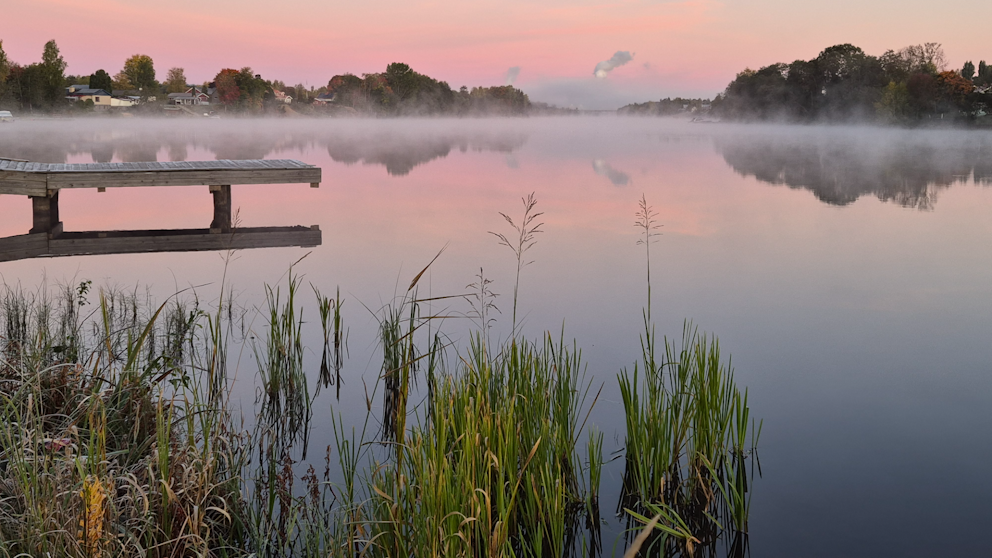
(841, 166)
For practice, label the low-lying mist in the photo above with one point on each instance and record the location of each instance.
(838, 164)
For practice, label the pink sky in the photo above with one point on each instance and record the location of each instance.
(691, 47)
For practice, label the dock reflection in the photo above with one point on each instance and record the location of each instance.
(46, 245)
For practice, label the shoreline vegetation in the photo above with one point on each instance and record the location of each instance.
(843, 84)
(44, 88)
(909, 87)
(117, 436)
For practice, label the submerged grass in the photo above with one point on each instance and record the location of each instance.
(116, 437)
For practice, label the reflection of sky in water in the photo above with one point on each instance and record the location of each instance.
(618, 178)
(861, 331)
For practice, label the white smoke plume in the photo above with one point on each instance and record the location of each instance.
(511, 75)
(619, 59)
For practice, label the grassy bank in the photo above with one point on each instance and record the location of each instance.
(117, 436)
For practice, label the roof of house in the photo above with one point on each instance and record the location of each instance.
(87, 91)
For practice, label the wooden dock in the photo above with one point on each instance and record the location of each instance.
(42, 182)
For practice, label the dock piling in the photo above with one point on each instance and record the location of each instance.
(222, 208)
(45, 211)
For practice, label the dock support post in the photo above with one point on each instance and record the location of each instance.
(222, 208)
(45, 211)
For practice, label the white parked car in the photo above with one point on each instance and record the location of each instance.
(5, 116)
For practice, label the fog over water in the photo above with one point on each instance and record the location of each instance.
(856, 302)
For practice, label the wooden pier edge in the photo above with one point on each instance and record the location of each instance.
(42, 182)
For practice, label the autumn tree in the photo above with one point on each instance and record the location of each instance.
(953, 90)
(122, 83)
(347, 89)
(175, 81)
(253, 90)
(53, 73)
(140, 73)
(227, 86)
(100, 79)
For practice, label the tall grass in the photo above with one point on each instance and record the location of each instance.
(116, 437)
(495, 471)
(689, 439)
(109, 448)
(284, 399)
(521, 242)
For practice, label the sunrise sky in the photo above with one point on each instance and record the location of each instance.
(678, 48)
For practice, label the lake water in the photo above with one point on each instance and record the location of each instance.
(848, 271)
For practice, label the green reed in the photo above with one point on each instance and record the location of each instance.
(495, 472)
(521, 242)
(689, 439)
(284, 400)
(116, 439)
(332, 356)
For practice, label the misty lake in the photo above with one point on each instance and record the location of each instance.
(848, 271)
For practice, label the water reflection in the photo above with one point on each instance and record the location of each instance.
(401, 153)
(861, 332)
(841, 167)
(602, 168)
(398, 150)
(46, 245)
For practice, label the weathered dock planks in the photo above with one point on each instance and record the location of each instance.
(42, 182)
(42, 179)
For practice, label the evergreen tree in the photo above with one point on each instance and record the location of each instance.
(968, 71)
(100, 79)
(4, 72)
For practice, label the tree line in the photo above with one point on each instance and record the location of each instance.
(666, 107)
(402, 91)
(843, 83)
(398, 91)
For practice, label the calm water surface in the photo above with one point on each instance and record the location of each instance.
(847, 270)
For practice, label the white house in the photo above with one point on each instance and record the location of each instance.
(192, 96)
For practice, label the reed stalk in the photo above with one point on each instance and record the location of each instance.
(521, 242)
(686, 428)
